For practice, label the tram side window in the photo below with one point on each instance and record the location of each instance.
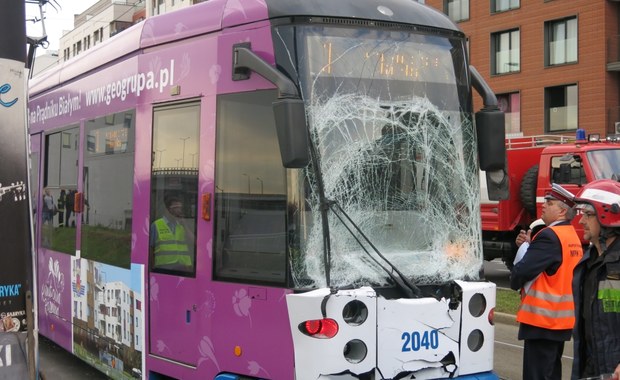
(59, 183)
(250, 195)
(174, 188)
(107, 189)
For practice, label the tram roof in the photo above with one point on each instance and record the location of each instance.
(214, 15)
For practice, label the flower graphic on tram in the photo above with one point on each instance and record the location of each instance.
(154, 290)
(255, 368)
(214, 73)
(186, 65)
(208, 306)
(242, 304)
(161, 347)
(179, 27)
(205, 347)
(55, 273)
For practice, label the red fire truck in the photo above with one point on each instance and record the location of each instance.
(532, 164)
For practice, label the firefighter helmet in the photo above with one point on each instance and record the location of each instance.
(603, 196)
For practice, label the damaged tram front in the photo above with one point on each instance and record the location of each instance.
(384, 238)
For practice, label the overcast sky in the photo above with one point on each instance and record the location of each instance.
(56, 20)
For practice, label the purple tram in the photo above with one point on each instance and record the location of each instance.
(322, 161)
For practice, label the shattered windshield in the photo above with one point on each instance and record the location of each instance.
(605, 163)
(390, 118)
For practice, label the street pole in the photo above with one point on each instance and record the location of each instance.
(183, 158)
(16, 307)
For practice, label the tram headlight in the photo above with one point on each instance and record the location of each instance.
(477, 304)
(355, 351)
(355, 313)
(475, 340)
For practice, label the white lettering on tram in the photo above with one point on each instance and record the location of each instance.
(135, 84)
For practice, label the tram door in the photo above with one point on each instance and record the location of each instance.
(173, 287)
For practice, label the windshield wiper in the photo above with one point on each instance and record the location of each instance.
(410, 289)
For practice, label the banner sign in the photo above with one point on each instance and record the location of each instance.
(15, 251)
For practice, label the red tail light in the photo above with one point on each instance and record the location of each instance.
(320, 328)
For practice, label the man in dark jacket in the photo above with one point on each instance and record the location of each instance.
(597, 282)
(546, 313)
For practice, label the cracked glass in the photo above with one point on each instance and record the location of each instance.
(394, 151)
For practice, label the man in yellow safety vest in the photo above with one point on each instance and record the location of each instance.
(169, 239)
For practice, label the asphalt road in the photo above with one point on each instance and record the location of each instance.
(55, 363)
(508, 359)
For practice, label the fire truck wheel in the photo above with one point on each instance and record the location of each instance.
(528, 190)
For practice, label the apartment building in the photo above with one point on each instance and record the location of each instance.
(157, 7)
(553, 63)
(99, 22)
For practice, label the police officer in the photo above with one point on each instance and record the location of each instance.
(597, 282)
(546, 313)
(169, 239)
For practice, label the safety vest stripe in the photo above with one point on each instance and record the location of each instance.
(550, 297)
(170, 260)
(609, 294)
(547, 312)
(550, 323)
(171, 247)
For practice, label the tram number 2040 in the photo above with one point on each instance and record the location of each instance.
(420, 340)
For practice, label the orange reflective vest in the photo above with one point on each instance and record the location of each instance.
(549, 302)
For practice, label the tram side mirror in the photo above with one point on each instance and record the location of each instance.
(289, 109)
(490, 129)
(491, 135)
(290, 117)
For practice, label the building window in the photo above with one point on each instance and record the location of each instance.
(510, 104)
(561, 110)
(457, 10)
(503, 5)
(561, 41)
(505, 52)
